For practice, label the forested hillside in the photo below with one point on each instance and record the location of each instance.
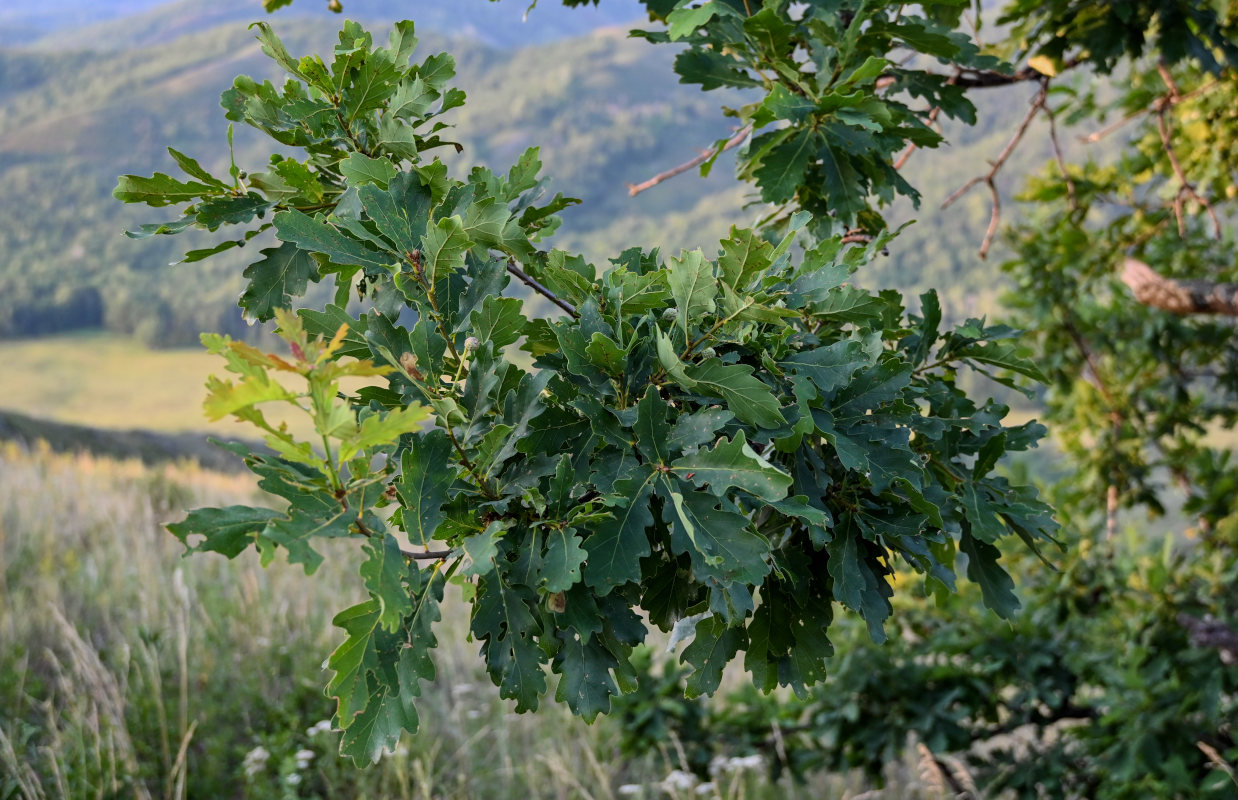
(79, 107)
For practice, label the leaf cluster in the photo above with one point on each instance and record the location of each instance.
(823, 137)
(729, 445)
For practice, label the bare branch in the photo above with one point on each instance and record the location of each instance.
(532, 283)
(1092, 138)
(989, 178)
(636, 188)
(988, 79)
(1179, 296)
(1185, 187)
(995, 218)
(1072, 196)
(911, 148)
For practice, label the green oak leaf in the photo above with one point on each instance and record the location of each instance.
(426, 475)
(733, 463)
(996, 585)
(859, 581)
(618, 544)
(652, 428)
(828, 367)
(711, 650)
(376, 729)
(280, 275)
(563, 559)
(359, 169)
(587, 684)
(443, 248)
(719, 542)
(353, 659)
(383, 575)
(693, 286)
(160, 190)
(378, 430)
(499, 320)
(744, 256)
(697, 428)
(502, 619)
(748, 398)
(228, 530)
(401, 212)
(316, 236)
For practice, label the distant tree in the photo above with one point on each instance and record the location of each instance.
(731, 445)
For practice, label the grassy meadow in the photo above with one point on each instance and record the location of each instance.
(127, 671)
(103, 380)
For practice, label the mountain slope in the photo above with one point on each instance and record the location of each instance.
(71, 122)
(498, 24)
(605, 110)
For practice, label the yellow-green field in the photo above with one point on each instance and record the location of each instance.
(106, 381)
(109, 382)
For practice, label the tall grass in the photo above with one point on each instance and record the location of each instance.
(129, 672)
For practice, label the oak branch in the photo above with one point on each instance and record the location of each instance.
(1179, 296)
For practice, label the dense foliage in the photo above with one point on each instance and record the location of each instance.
(828, 426)
(730, 445)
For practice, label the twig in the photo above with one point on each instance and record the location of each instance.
(911, 148)
(996, 165)
(532, 283)
(988, 79)
(428, 555)
(1073, 198)
(636, 188)
(1185, 187)
(1093, 138)
(412, 555)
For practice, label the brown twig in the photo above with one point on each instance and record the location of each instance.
(636, 188)
(1073, 198)
(1095, 137)
(988, 79)
(532, 283)
(1185, 187)
(989, 178)
(911, 148)
(412, 555)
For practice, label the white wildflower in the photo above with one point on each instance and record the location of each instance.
(255, 761)
(303, 758)
(705, 789)
(737, 764)
(293, 779)
(321, 726)
(679, 780)
(631, 789)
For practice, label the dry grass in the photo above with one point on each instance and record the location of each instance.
(127, 671)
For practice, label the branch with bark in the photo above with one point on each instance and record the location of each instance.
(1179, 296)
